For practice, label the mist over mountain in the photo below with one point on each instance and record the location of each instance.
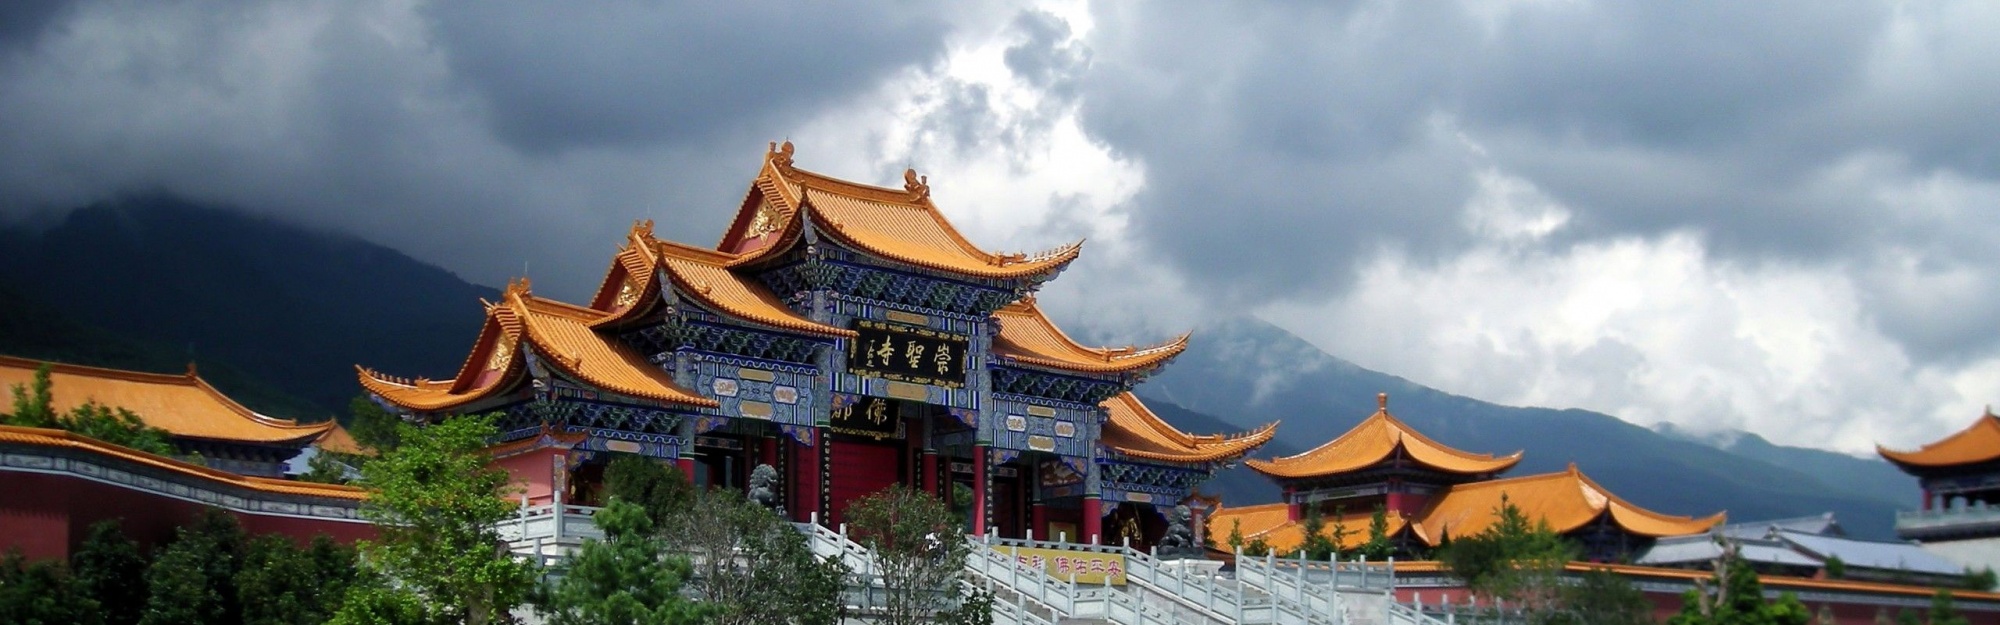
(281, 314)
(1247, 372)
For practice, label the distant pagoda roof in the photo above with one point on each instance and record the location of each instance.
(900, 224)
(560, 333)
(1378, 438)
(1567, 500)
(1976, 444)
(184, 405)
(1134, 430)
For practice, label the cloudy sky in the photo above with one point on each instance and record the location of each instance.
(1781, 217)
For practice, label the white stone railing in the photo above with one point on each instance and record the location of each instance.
(549, 533)
(1947, 518)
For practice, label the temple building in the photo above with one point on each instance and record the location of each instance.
(227, 456)
(1959, 517)
(205, 426)
(850, 338)
(1429, 492)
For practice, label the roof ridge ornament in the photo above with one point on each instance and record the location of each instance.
(1382, 402)
(642, 229)
(518, 286)
(192, 374)
(918, 186)
(781, 156)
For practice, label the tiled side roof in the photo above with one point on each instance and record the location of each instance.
(183, 405)
(1028, 336)
(1566, 500)
(1270, 522)
(1134, 430)
(1977, 443)
(1771, 582)
(338, 440)
(1376, 439)
(58, 438)
(562, 333)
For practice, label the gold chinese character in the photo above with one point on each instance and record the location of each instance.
(878, 411)
(943, 358)
(887, 351)
(916, 352)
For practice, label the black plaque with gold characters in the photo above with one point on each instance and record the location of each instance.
(858, 415)
(908, 354)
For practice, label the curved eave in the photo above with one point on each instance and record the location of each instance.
(1226, 450)
(1976, 444)
(1643, 522)
(1134, 430)
(1027, 336)
(420, 396)
(895, 248)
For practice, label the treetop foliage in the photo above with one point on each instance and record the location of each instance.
(34, 406)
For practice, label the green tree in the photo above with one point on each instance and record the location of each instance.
(435, 501)
(42, 594)
(110, 568)
(918, 551)
(1944, 611)
(1835, 567)
(627, 578)
(281, 584)
(1236, 535)
(753, 566)
(1339, 535)
(1981, 580)
(1257, 547)
(1378, 546)
(193, 580)
(372, 426)
(1734, 596)
(661, 491)
(34, 403)
(1315, 545)
(324, 468)
(1600, 597)
(1513, 559)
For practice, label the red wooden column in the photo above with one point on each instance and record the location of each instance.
(686, 465)
(769, 452)
(931, 474)
(1093, 519)
(806, 477)
(1038, 520)
(979, 489)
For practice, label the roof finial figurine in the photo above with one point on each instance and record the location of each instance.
(1382, 401)
(191, 373)
(918, 186)
(642, 228)
(781, 156)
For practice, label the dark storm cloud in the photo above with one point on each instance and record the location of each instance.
(22, 21)
(1285, 143)
(564, 75)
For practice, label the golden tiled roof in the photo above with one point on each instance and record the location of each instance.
(1378, 438)
(183, 405)
(492, 367)
(562, 334)
(1134, 430)
(61, 439)
(1566, 499)
(629, 286)
(340, 441)
(705, 275)
(901, 224)
(1977, 443)
(1028, 336)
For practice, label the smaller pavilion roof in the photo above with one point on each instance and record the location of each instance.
(1028, 336)
(1134, 430)
(702, 274)
(1977, 443)
(184, 405)
(1888, 556)
(1567, 500)
(1378, 438)
(1700, 549)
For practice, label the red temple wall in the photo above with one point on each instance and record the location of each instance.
(860, 469)
(46, 516)
(533, 474)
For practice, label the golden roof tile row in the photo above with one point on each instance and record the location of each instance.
(1378, 438)
(184, 405)
(1028, 336)
(61, 439)
(1977, 443)
(1134, 430)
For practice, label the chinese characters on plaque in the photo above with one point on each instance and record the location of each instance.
(908, 354)
(873, 417)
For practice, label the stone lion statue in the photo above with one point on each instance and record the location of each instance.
(1178, 542)
(764, 487)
